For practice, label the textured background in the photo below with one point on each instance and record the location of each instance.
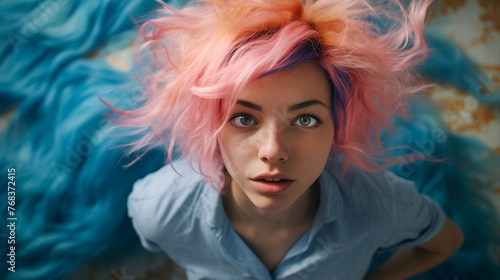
(475, 26)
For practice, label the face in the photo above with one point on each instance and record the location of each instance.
(277, 140)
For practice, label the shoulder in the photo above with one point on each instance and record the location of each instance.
(387, 206)
(381, 185)
(160, 200)
(372, 199)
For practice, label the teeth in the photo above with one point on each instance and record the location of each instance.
(271, 180)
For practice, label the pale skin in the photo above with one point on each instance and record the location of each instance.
(282, 126)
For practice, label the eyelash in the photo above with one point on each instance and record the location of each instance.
(318, 119)
(241, 115)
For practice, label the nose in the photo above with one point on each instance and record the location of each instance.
(273, 145)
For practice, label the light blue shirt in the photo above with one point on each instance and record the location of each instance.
(357, 216)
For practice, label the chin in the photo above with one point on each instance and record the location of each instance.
(270, 204)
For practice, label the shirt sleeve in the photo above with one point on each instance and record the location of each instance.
(136, 212)
(161, 204)
(416, 217)
(148, 245)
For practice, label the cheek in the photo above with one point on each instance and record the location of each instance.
(225, 146)
(236, 143)
(233, 150)
(316, 151)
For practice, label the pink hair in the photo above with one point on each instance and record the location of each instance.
(207, 52)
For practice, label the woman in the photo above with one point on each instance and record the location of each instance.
(281, 107)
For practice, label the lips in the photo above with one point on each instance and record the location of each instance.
(274, 177)
(272, 183)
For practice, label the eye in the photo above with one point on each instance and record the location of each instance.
(306, 121)
(243, 121)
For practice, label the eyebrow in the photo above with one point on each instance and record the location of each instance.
(249, 105)
(292, 108)
(305, 104)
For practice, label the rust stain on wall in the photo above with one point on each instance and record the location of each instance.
(490, 19)
(496, 79)
(483, 39)
(168, 271)
(451, 5)
(461, 116)
(491, 67)
(491, 10)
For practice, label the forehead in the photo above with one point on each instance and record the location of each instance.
(302, 81)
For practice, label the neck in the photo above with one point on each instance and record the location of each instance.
(240, 210)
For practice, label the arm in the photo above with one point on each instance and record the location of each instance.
(411, 261)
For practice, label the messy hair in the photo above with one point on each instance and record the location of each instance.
(208, 51)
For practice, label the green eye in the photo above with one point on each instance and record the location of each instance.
(243, 121)
(306, 121)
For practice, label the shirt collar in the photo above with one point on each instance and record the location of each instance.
(212, 213)
(330, 208)
(231, 245)
(331, 204)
